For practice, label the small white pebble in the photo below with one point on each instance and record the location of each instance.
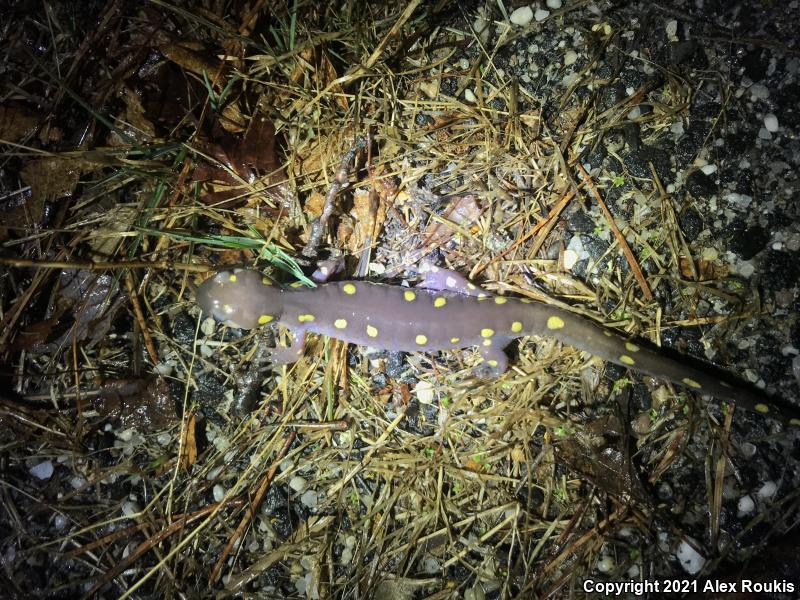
(77, 482)
(764, 134)
(634, 113)
(570, 258)
(553, 4)
(130, 508)
(771, 122)
(163, 439)
(310, 499)
(44, 470)
(758, 92)
(745, 506)
(672, 29)
(298, 484)
(767, 491)
(708, 169)
(570, 56)
(748, 449)
(605, 564)
(219, 493)
(126, 435)
(710, 254)
(541, 14)
(208, 326)
(424, 392)
(377, 268)
(691, 560)
(522, 16)
(469, 96)
(221, 443)
(746, 269)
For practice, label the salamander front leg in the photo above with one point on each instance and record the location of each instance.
(281, 355)
(445, 280)
(495, 361)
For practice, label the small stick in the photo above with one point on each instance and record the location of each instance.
(319, 226)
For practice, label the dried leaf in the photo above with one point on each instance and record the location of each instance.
(253, 160)
(85, 296)
(145, 404)
(462, 211)
(189, 445)
(16, 122)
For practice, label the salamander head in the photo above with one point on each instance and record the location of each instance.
(241, 298)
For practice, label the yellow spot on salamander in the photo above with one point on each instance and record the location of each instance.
(227, 308)
(491, 363)
(626, 360)
(631, 347)
(232, 278)
(762, 408)
(455, 340)
(305, 318)
(296, 284)
(264, 319)
(372, 331)
(349, 289)
(500, 300)
(555, 323)
(608, 334)
(409, 296)
(795, 422)
(483, 296)
(486, 332)
(487, 342)
(471, 286)
(691, 383)
(266, 280)
(525, 300)
(516, 327)
(421, 339)
(439, 302)
(340, 323)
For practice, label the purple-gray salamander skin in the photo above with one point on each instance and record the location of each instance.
(443, 312)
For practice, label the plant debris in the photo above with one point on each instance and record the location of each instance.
(634, 162)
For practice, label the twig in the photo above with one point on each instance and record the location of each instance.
(319, 226)
(99, 266)
(637, 272)
(258, 496)
(137, 311)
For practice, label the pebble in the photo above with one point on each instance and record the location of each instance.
(708, 169)
(469, 96)
(522, 16)
(767, 491)
(541, 14)
(219, 493)
(570, 57)
(745, 506)
(298, 484)
(553, 4)
(424, 392)
(691, 560)
(758, 92)
(310, 499)
(44, 470)
(771, 122)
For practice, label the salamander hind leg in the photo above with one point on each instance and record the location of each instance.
(286, 355)
(495, 361)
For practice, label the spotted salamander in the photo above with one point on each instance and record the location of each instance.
(444, 311)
